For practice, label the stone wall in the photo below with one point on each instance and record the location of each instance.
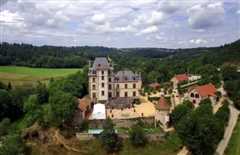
(126, 123)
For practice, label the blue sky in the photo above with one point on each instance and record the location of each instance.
(121, 23)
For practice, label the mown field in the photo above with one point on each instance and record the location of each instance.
(234, 144)
(19, 76)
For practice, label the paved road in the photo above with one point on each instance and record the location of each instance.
(229, 129)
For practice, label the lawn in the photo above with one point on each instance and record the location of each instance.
(27, 76)
(234, 143)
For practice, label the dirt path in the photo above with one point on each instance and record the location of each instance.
(229, 129)
(61, 140)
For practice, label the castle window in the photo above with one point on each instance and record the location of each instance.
(102, 85)
(93, 79)
(134, 85)
(102, 77)
(109, 94)
(117, 85)
(126, 94)
(94, 87)
(126, 86)
(117, 94)
(134, 93)
(109, 87)
(109, 79)
(94, 95)
(102, 93)
(102, 72)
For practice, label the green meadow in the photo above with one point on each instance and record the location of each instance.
(234, 144)
(19, 76)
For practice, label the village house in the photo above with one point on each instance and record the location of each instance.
(105, 85)
(162, 112)
(180, 78)
(199, 93)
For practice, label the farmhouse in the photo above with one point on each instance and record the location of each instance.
(199, 93)
(105, 85)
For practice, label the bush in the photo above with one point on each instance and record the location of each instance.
(137, 135)
(12, 145)
(4, 126)
(109, 139)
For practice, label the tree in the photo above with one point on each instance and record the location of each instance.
(222, 116)
(137, 135)
(4, 126)
(199, 130)
(62, 107)
(109, 139)
(5, 104)
(31, 104)
(12, 145)
(179, 112)
(42, 93)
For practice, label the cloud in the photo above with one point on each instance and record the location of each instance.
(92, 21)
(98, 18)
(148, 30)
(169, 6)
(203, 16)
(198, 41)
(238, 12)
(11, 19)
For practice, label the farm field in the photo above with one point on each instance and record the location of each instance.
(19, 76)
(234, 143)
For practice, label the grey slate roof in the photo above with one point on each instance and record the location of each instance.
(101, 63)
(126, 75)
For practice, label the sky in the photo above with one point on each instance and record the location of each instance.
(120, 23)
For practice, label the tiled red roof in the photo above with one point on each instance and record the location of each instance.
(83, 103)
(181, 77)
(154, 85)
(162, 104)
(206, 90)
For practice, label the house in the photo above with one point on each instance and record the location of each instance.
(178, 79)
(199, 93)
(162, 111)
(154, 86)
(104, 84)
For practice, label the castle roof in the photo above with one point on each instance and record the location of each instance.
(101, 63)
(126, 76)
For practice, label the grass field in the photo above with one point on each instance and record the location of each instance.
(234, 144)
(28, 76)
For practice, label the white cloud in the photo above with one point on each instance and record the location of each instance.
(150, 29)
(238, 12)
(202, 16)
(99, 18)
(198, 41)
(11, 19)
(155, 18)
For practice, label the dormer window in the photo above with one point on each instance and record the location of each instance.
(99, 65)
(126, 78)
